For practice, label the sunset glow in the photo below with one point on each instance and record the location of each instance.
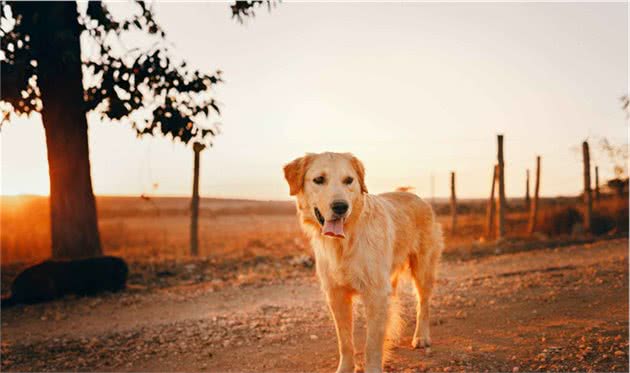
(23, 158)
(479, 225)
(415, 90)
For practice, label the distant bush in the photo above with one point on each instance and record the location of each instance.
(611, 216)
(608, 216)
(560, 221)
(602, 223)
(622, 218)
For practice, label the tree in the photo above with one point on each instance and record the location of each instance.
(45, 68)
(617, 155)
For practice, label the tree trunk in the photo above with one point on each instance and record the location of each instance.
(74, 226)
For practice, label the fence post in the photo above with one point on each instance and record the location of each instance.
(453, 205)
(491, 206)
(527, 200)
(194, 204)
(588, 202)
(597, 183)
(501, 174)
(533, 211)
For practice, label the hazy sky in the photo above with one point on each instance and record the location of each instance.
(413, 89)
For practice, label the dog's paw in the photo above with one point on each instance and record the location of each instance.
(422, 342)
(346, 367)
(346, 370)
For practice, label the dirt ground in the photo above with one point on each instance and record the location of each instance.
(560, 309)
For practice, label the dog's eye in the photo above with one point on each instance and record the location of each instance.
(348, 180)
(319, 180)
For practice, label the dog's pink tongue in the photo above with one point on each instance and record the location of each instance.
(333, 228)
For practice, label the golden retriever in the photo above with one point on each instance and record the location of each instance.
(363, 243)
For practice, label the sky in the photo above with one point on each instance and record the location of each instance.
(415, 90)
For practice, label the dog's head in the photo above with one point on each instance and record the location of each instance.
(329, 188)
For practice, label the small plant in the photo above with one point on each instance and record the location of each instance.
(560, 221)
(611, 217)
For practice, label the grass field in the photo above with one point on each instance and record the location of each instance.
(158, 228)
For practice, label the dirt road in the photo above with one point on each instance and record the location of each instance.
(563, 309)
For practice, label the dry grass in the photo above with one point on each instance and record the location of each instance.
(609, 215)
(158, 228)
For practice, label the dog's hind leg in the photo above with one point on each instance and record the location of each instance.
(422, 335)
(423, 279)
(423, 265)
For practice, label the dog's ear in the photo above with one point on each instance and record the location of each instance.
(294, 173)
(360, 170)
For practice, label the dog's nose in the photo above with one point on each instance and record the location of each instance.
(339, 207)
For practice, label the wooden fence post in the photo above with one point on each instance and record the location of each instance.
(533, 211)
(527, 200)
(491, 206)
(596, 183)
(453, 205)
(194, 204)
(588, 202)
(501, 174)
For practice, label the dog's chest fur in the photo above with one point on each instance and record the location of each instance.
(352, 262)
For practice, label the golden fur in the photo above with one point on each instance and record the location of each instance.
(386, 235)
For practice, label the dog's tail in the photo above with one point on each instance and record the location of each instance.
(405, 188)
(435, 240)
(438, 242)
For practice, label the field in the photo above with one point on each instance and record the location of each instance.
(251, 301)
(158, 228)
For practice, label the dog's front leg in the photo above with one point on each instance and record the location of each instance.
(340, 303)
(376, 309)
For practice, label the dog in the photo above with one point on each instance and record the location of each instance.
(363, 244)
(53, 279)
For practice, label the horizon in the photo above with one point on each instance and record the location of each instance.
(437, 199)
(415, 90)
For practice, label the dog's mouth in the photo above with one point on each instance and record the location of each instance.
(320, 217)
(331, 227)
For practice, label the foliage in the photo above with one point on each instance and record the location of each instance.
(619, 185)
(18, 65)
(618, 156)
(143, 86)
(244, 9)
